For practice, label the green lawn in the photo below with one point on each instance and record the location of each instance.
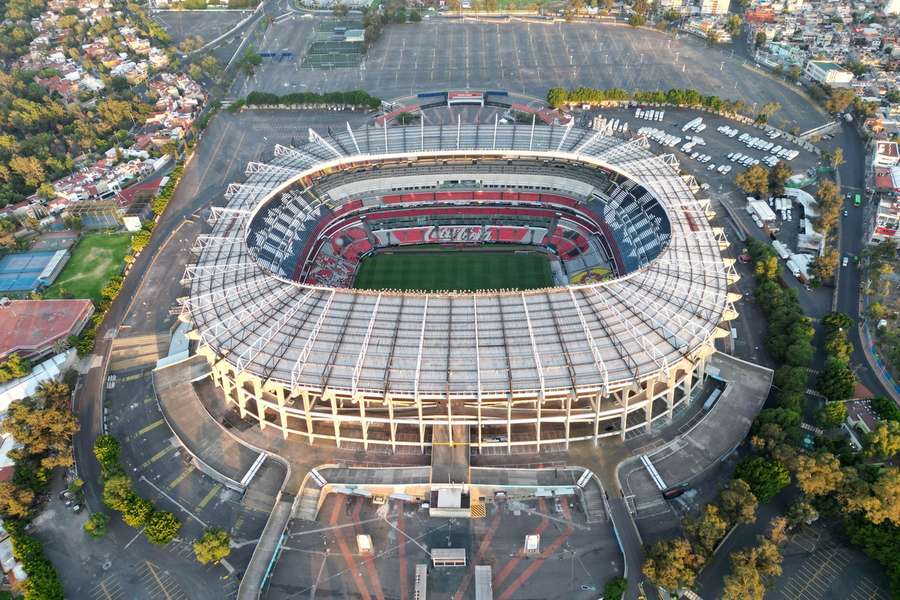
(95, 259)
(464, 270)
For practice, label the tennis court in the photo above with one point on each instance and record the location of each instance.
(20, 272)
(454, 269)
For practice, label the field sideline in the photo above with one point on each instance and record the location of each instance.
(454, 270)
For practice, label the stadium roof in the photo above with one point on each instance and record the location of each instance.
(582, 338)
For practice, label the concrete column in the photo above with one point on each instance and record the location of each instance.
(418, 401)
(649, 392)
(307, 410)
(688, 384)
(537, 424)
(392, 426)
(597, 406)
(569, 398)
(260, 407)
(364, 425)
(282, 413)
(670, 395)
(334, 414)
(626, 393)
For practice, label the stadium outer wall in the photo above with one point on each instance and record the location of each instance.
(528, 417)
(556, 421)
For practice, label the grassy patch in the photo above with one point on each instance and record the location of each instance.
(448, 269)
(95, 259)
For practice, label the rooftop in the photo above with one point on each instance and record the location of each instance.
(31, 326)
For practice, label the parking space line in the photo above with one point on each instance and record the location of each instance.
(181, 477)
(158, 455)
(150, 427)
(209, 496)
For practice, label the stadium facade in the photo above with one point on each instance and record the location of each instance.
(292, 345)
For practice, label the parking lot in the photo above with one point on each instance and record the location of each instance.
(816, 569)
(321, 558)
(524, 57)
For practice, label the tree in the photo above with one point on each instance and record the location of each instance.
(839, 99)
(745, 581)
(768, 109)
(761, 39)
(836, 380)
(824, 266)
(117, 492)
(884, 442)
(765, 477)
(672, 563)
(801, 512)
(767, 269)
(107, 451)
(733, 25)
(15, 501)
(162, 527)
(95, 526)
(556, 97)
(707, 530)
(837, 157)
(212, 547)
(818, 474)
(42, 432)
(137, 511)
(754, 180)
(712, 37)
(793, 73)
(778, 176)
(738, 502)
(14, 367)
(885, 503)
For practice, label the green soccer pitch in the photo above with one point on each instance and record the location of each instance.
(443, 269)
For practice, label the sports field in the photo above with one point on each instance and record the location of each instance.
(450, 269)
(95, 259)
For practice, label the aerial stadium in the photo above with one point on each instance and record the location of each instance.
(532, 286)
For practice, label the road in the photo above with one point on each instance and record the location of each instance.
(852, 244)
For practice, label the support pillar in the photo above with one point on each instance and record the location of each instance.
(335, 419)
(568, 402)
(537, 424)
(307, 410)
(649, 392)
(364, 424)
(260, 406)
(597, 415)
(282, 413)
(670, 396)
(688, 385)
(626, 393)
(392, 426)
(509, 424)
(421, 425)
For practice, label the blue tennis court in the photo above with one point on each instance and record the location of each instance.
(19, 272)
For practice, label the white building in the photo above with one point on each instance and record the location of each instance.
(892, 7)
(828, 73)
(887, 154)
(714, 7)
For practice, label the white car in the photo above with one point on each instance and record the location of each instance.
(694, 155)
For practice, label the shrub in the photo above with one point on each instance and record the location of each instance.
(95, 526)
